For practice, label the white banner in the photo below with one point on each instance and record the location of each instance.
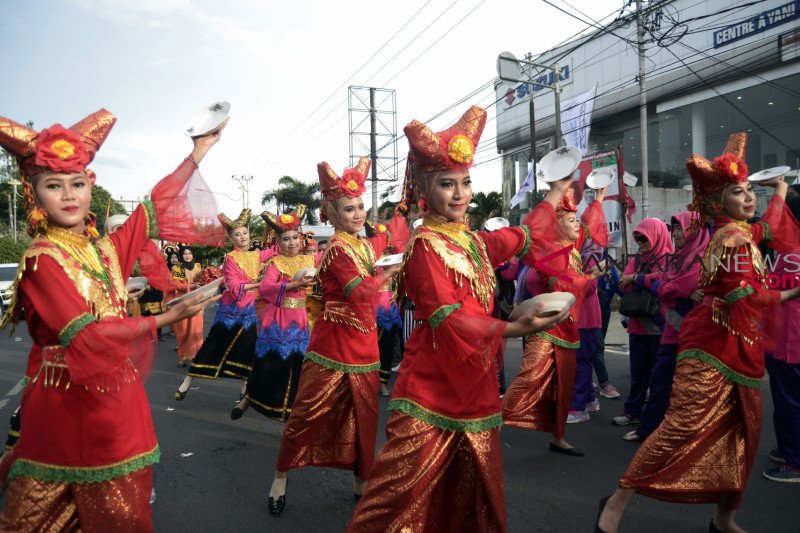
(576, 119)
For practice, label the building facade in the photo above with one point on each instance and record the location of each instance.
(712, 68)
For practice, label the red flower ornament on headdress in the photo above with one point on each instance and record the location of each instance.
(567, 204)
(61, 150)
(286, 221)
(350, 183)
(732, 167)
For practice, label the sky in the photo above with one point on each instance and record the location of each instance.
(284, 66)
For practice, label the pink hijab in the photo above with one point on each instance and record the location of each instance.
(660, 244)
(696, 244)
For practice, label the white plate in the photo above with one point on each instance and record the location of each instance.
(768, 174)
(559, 164)
(389, 260)
(207, 291)
(629, 179)
(496, 223)
(687, 187)
(600, 178)
(208, 119)
(134, 284)
(417, 223)
(305, 273)
(397, 195)
(554, 303)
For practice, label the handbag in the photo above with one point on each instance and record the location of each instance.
(639, 304)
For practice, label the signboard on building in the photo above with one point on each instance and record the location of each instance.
(756, 24)
(790, 45)
(548, 78)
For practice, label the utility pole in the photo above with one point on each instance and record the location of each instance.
(557, 94)
(373, 155)
(244, 185)
(642, 108)
(13, 207)
(11, 217)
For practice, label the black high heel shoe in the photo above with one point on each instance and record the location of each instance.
(712, 528)
(277, 505)
(600, 512)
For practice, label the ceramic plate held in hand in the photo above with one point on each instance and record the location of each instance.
(559, 164)
(135, 284)
(768, 174)
(389, 260)
(305, 273)
(208, 119)
(496, 223)
(554, 303)
(600, 178)
(207, 291)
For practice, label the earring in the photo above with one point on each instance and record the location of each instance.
(423, 205)
(90, 220)
(37, 221)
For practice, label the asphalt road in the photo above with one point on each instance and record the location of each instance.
(214, 473)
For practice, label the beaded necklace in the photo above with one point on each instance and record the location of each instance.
(81, 250)
(458, 233)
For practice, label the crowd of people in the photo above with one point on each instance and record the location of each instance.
(314, 331)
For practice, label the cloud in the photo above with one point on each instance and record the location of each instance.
(158, 62)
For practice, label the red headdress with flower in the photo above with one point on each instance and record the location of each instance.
(709, 177)
(450, 149)
(567, 204)
(350, 183)
(286, 221)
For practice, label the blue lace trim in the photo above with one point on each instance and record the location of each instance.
(390, 317)
(232, 316)
(284, 342)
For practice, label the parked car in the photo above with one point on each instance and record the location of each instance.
(7, 273)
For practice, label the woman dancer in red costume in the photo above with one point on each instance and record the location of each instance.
(703, 451)
(540, 396)
(84, 456)
(440, 469)
(334, 420)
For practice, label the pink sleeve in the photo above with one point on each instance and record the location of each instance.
(272, 288)
(681, 286)
(235, 279)
(267, 254)
(511, 272)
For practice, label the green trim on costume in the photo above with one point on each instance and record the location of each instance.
(73, 327)
(767, 230)
(555, 340)
(415, 410)
(588, 231)
(738, 294)
(721, 367)
(152, 223)
(438, 316)
(342, 367)
(83, 474)
(352, 284)
(526, 243)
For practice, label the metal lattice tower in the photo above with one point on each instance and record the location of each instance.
(372, 122)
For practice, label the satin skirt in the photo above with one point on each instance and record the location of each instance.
(431, 479)
(705, 447)
(121, 505)
(540, 396)
(334, 421)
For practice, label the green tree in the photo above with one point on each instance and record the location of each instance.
(102, 202)
(291, 192)
(487, 206)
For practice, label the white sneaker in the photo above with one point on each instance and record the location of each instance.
(593, 407)
(577, 416)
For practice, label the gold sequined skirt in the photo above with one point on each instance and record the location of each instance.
(540, 396)
(334, 421)
(704, 448)
(121, 505)
(431, 479)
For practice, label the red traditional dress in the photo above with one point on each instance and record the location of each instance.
(84, 456)
(705, 447)
(334, 421)
(441, 469)
(540, 396)
(189, 331)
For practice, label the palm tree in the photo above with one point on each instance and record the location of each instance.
(291, 192)
(487, 206)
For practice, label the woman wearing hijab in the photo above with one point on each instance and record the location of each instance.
(188, 332)
(644, 334)
(675, 288)
(704, 449)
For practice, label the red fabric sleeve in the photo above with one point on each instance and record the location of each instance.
(129, 240)
(361, 293)
(595, 220)
(235, 279)
(185, 208)
(784, 230)
(153, 267)
(754, 310)
(545, 239)
(463, 340)
(397, 236)
(503, 244)
(97, 353)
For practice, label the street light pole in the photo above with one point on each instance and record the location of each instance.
(642, 109)
(244, 185)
